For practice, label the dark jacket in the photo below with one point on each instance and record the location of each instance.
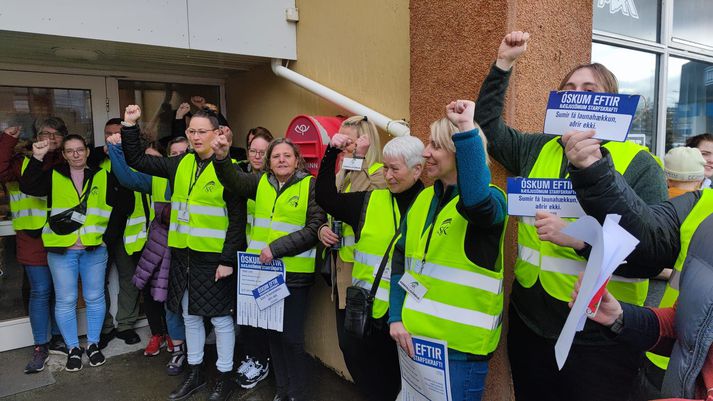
(601, 191)
(517, 152)
(38, 182)
(193, 270)
(30, 249)
(245, 184)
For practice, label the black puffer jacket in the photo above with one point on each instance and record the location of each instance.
(245, 185)
(190, 269)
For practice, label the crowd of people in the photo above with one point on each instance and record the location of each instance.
(172, 222)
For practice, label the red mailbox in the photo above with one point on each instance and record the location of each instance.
(312, 135)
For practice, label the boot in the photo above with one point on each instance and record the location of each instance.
(224, 387)
(194, 381)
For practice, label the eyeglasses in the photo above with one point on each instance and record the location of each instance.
(255, 152)
(200, 132)
(78, 151)
(47, 134)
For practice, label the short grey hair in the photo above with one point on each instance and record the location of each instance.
(408, 147)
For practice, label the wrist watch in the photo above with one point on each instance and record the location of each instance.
(125, 124)
(618, 326)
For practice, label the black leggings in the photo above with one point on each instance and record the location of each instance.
(287, 349)
(155, 313)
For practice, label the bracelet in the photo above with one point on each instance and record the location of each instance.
(127, 125)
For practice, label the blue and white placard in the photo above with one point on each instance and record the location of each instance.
(609, 114)
(425, 377)
(527, 196)
(267, 309)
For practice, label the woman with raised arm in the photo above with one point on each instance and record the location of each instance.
(451, 244)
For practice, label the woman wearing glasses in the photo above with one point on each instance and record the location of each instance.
(81, 252)
(206, 229)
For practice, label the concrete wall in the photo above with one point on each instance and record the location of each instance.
(358, 48)
(454, 43)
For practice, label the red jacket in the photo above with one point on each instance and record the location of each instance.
(30, 250)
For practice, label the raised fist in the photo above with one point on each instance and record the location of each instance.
(114, 139)
(340, 141)
(132, 113)
(514, 44)
(12, 131)
(221, 147)
(198, 101)
(183, 109)
(460, 113)
(40, 149)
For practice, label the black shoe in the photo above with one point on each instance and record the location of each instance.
(193, 381)
(57, 346)
(40, 355)
(96, 358)
(129, 336)
(104, 338)
(224, 387)
(74, 359)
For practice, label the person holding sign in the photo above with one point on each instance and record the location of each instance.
(376, 214)
(206, 230)
(675, 233)
(73, 238)
(286, 221)
(447, 267)
(547, 265)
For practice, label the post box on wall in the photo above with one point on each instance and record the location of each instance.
(312, 134)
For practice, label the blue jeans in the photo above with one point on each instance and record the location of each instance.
(195, 337)
(467, 379)
(174, 325)
(66, 268)
(41, 304)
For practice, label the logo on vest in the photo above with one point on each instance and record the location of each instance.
(294, 201)
(94, 191)
(443, 229)
(209, 186)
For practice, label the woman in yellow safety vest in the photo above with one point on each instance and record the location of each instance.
(449, 255)
(285, 227)
(80, 253)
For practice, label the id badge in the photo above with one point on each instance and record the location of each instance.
(78, 217)
(414, 287)
(352, 164)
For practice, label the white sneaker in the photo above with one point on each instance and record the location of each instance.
(255, 373)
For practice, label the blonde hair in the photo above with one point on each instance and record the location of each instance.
(442, 131)
(363, 126)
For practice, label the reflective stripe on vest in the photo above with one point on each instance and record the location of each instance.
(28, 212)
(701, 210)
(136, 230)
(558, 267)
(346, 251)
(64, 196)
(280, 215)
(381, 221)
(464, 302)
(201, 200)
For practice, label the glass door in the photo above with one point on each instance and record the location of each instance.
(25, 97)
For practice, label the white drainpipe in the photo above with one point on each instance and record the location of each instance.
(393, 127)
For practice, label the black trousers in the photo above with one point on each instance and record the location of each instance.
(373, 361)
(592, 372)
(254, 343)
(155, 313)
(287, 349)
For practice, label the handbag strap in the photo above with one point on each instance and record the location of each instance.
(85, 195)
(382, 266)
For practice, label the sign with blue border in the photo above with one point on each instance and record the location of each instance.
(527, 196)
(609, 114)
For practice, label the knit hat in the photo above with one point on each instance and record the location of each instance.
(684, 164)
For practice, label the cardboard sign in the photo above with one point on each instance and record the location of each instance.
(609, 114)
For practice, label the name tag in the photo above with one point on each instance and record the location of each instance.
(414, 287)
(78, 217)
(271, 292)
(351, 163)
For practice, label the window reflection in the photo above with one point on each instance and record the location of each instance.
(691, 22)
(635, 18)
(636, 72)
(689, 100)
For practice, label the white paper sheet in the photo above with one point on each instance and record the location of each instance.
(425, 377)
(611, 244)
(251, 275)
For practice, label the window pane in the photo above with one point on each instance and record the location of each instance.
(636, 72)
(635, 18)
(159, 102)
(691, 21)
(689, 100)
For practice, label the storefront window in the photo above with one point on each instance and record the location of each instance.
(692, 21)
(635, 18)
(160, 100)
(689, 100)
(636, 72)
